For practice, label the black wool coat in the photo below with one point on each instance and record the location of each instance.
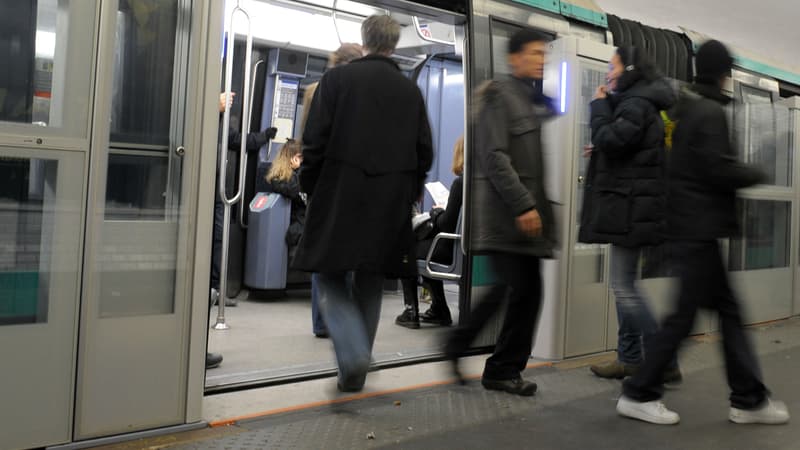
(366, 151)
(704, 172)
(624, 199)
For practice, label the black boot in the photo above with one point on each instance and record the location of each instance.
(438, 313)
(410, 316)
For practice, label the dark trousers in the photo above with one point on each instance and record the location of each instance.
(216, 243)
(519, 279)
(703, 284)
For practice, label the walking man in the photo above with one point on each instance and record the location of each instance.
(367, 151)
(512, 222)
(701, 208)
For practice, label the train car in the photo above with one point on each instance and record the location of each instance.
(113, 153)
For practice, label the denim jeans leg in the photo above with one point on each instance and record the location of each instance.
(351, 312)
(367, 290)
(317, 322)
(633, 314)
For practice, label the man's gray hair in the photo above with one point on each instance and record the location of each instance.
(380, 34)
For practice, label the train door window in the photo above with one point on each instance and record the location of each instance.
(761, 131)
(27, 195)
(37, 40)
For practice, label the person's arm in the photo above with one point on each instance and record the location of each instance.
(615, 131)
(254, 140)
(424, 149)
(722, 170)
(288, 188)
(317, 132)
(446, 220)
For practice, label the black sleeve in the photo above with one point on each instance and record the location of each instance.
(711, 143)
(317, 132)
(254, 140)
(448, 219)
(424, 149)
(492, 152)
(289, 188)
(615, 131)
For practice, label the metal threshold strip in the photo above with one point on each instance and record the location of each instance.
(328, 373)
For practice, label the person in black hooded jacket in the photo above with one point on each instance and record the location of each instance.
(624, 199)
(703, 178)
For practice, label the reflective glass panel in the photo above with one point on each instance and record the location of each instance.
(27, 196)
(136, 259)
(37, 85)
(761, 131)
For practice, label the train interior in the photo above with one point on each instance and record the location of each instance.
(269, 335)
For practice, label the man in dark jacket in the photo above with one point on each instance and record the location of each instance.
(367, 150)
(625, 195)
(512, 219)
(703, 178)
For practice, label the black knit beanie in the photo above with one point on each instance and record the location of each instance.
(712, 61)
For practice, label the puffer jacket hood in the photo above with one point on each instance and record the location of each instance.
(657, 92)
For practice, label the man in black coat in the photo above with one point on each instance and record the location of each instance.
(703, 178)
(512, 222)
(367, 150)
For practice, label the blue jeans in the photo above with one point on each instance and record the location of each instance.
(317, 322)
(637, 326)
(351, 306)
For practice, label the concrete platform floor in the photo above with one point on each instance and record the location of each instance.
(418, 407)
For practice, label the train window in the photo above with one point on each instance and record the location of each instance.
(45, 47)
(142, 81)
(766, 239)
(762, 133)
(136, 187)
(27, 194)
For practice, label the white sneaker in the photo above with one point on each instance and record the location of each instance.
(772, 413)
(653, 412)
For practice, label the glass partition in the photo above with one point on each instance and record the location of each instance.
(761, 133)
(37, 85)
(27, 196)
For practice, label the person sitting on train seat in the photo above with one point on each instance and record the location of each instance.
(343, 55)
(442, 220)
(625, 196)
(282, 179)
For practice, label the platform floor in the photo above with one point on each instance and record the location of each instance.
(573, 409)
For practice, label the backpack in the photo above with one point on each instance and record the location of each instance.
(669, 127)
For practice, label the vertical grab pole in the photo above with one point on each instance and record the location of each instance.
(227, 203)
(249, 113)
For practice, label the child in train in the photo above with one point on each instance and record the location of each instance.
(442, 220)
(282, 179)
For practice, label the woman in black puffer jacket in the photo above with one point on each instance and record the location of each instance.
(625, 195)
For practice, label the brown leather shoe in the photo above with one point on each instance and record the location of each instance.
(614, 369)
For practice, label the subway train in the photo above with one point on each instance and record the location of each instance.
(112, 158)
